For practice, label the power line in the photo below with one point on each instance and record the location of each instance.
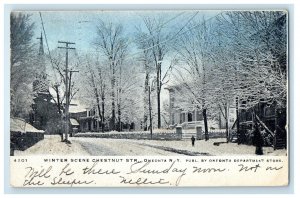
(179, 33)
(48, 47)
(161, 26)
(173, 37)
(150, 36)
(142, 50)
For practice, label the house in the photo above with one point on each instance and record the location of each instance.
(272, 121)
(86, 117)
(194, 117)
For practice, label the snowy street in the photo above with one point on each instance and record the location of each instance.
(110, 147)
(52, 145)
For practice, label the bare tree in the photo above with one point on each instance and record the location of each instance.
(59, 80)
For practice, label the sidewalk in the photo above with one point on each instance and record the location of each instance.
(203, 147)
(52, 145)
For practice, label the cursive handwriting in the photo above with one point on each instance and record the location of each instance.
(140, 167)
(92, 170)
(33, 176)
(140, 181)
(71, 182)
(247, 168)
(270, 168)
(66, 170)
(207, 170)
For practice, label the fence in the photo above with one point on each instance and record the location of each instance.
(132, 135)
(176, 135)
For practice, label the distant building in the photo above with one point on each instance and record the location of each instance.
(189, 119)
(87, 118)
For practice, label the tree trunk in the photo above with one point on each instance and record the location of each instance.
(99, 112)
(205, 124)
(102, 117)
(238, 132)
(58, 99)
(158, 81)
(226, 122)
(150, 111)
(119, 116)
(146, 101)
(98, 104)
(227, 130)
(158, 110)
(113, 108)
(257, 137)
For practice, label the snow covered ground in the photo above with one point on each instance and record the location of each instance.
(52, 145)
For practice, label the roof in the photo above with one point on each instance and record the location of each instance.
(77, 107)
(74, 122)
(19, 125)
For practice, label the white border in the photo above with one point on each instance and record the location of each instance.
(293, 76)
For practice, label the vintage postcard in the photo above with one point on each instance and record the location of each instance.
(149, 98)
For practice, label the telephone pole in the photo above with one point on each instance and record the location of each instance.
(67, 94)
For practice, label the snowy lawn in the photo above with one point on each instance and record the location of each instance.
(52, 145)
(208, 147)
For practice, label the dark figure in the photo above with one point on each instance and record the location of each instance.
(61, 136)
(193, 140)
(258, 140)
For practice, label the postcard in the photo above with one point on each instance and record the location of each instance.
(149, 98)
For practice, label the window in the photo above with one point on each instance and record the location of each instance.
(190, 117)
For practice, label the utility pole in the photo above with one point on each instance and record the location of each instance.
(67, 48)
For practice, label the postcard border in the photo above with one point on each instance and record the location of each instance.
(194, 190)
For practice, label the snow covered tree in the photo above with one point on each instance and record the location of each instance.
(143, 42)
(96, 82)
(129, 88)
(22, 61)
(113, 44)
(193, 50)
(259, 55)
(157, 34)
(238, 55)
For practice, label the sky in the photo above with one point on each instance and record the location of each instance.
(80, 27)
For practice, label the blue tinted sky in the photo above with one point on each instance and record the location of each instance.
(80, 26)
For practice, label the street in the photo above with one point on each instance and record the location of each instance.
(80, 146)
(127, 147)
(111, 147)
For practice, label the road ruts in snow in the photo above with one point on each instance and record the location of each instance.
(116, 147)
